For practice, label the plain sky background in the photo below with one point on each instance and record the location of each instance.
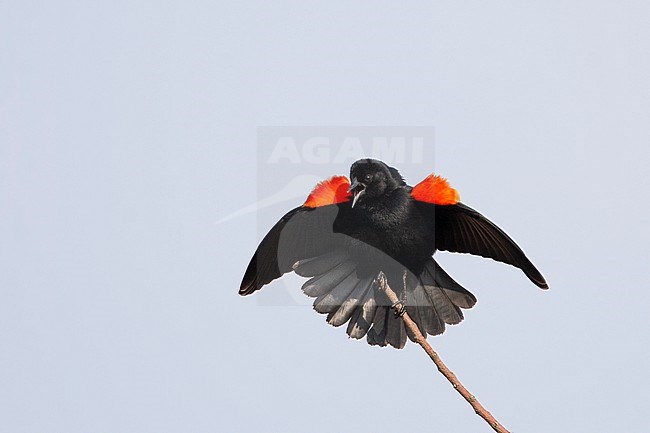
(128, 128)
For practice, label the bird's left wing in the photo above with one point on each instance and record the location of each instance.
(461, 229)
(303, 233)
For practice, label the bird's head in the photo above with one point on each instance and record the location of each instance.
(371, 179)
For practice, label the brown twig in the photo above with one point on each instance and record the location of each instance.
(451, 377)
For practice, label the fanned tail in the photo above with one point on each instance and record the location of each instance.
(432, 299)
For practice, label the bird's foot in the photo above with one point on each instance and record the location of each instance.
(399, 308)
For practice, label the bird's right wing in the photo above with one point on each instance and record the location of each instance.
(303, 233)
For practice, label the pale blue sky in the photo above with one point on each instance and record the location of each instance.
(127, 129)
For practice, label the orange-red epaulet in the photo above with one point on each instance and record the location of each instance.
(331, 191)
(436, 190)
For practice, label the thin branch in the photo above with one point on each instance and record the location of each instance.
(451, 377)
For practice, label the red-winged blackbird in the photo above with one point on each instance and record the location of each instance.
(345, 234)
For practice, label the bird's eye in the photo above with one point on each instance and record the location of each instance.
(368, 177)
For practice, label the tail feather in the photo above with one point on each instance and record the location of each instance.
(330, 302)
(360, 323)
(461, 300)
(430, 318)
(456, 293)
(354, 329)
(432, 299)
(343, 314)
(413, 309)
(377, 334)
(325, 283)
(396, 331)
(446, 310)
(319, 265)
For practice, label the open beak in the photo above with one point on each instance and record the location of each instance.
(357, 196)
(357, 193)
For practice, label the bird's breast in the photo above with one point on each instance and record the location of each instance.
(390, 233)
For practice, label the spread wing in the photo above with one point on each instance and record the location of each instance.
(301, 234)
(461, 229)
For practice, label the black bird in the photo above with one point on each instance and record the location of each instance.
(345, 234)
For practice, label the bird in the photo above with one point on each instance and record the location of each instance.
(348, 231)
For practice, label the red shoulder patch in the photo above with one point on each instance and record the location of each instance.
(331, 191)
(436, 190)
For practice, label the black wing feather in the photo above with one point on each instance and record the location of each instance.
(461, 229)
(302, 233)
